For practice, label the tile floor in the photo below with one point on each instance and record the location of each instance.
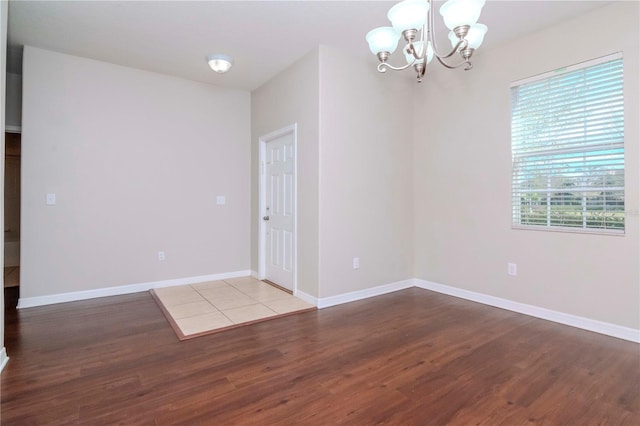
(201, 308)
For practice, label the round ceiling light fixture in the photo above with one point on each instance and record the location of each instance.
(220, 63)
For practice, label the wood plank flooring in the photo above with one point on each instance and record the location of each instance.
(410, 357)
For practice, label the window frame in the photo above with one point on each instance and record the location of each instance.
(559, 153)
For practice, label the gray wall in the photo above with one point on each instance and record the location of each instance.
(13, 113)
(366, 179)
(292, 97)
(413, 180)
(462, 166)
(136, 160)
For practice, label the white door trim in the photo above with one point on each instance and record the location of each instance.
(262, 142)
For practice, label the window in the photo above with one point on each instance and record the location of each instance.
(567, 144)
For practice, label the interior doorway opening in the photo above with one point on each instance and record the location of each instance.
(12, 164)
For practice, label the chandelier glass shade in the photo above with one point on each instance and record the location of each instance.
(383, 39)
(412, 20)
(474, 37)
(408, 14)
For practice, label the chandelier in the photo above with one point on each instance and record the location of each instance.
(413, 21)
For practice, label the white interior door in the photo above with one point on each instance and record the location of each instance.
(278, 209)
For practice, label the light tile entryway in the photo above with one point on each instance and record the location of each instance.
(203, 308)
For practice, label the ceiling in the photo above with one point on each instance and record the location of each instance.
(264, 37)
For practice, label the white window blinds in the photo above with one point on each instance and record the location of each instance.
(567, 140)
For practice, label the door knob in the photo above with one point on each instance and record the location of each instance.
(265, 218)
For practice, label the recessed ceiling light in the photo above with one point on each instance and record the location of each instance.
(220, 63)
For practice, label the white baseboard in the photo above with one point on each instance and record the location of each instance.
(325, 302)
(601, 327)
(312, 300)
(255, 275)
(3, 358)
(30, 302)
(596, 326)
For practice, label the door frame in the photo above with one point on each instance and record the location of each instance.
(262, 189)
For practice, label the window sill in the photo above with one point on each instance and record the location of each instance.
(608, 232)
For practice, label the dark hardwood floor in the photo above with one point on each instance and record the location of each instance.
(410, 357)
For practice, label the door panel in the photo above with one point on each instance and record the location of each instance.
(279, 168)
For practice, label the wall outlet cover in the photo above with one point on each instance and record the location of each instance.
(51, 199)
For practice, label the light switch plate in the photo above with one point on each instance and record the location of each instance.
(51, 199)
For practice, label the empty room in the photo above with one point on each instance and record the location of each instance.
(319, 212)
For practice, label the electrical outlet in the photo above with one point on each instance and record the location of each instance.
(160, 255)
(221, 200)
(512, 269)
(356, 263)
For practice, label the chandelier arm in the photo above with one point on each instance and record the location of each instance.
(432, 34)
(430, 29)
(452, 67)
(462, 44)
(412, 50)
(383, 66)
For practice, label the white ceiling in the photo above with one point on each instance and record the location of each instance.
(264, 37)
